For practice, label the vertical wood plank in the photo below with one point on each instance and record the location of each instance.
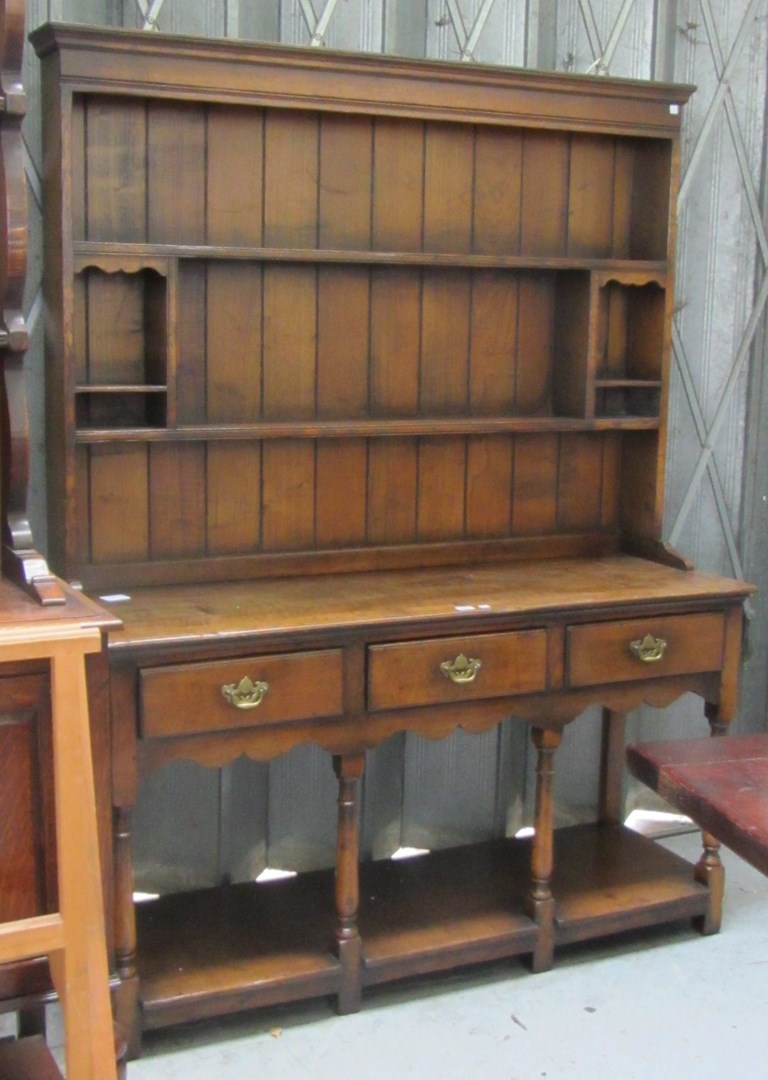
(533, 391)
(611, 480)
(342, 341)
(291, 150)
(398, 185)
(392, 491)
(177, 500)
(341, 493)
(441, 488)
(176, 173)
(493, 343)
(119, 502)
(498, 187)
(448, 188)
(234, 211)
(534, 485)
(623, 183)
(489, 486)
(116, 170)
(590, 196)
(290, 337)
(579, 497)
(82, 538)
(78, 152)
(191, 342)
(395, 342)
(346, 162)
(233, 342)
(444, 384)
(233, 505)
(288, 499)
(545, 193)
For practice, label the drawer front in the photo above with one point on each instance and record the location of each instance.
(644, 648)
(456, 669)
(249, 692)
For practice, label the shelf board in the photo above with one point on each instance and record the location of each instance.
(212, 951)
(363, 428)
(117, 388)
(266, 943)
(627, 384)
(90, 249)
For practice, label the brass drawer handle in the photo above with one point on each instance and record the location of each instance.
(649, 649)
(461, 670)
(246, 694)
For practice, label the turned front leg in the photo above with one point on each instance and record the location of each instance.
(349, 770)
(541, 903)
(126, 1000)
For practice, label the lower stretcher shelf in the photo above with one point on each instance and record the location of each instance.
(214, 951)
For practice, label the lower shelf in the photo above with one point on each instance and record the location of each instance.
(27, 1059)
(220, 950)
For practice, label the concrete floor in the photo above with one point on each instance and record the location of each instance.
(663, 1005)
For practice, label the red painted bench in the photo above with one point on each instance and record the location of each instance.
(721, 783)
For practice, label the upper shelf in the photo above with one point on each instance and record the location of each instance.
(93, 254)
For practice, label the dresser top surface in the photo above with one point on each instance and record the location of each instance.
(477, 593)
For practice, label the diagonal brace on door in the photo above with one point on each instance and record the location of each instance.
(317, 26)
(468, 39)
(150, 12)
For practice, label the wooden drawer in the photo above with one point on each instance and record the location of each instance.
(484, 666)
(644, 648)
(190, 698)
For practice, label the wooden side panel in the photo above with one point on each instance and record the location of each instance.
(235, 179)
(291, 164)
(233, 498)
(579, 500)
(392, 472)
(77, 207)
(176, 173)
(290, 337)
(441, 488)
(115, 170)
(448, 185)
(534, 485)
(590, 196)
(497, 191)
(288, 487)
(119, 501)
(493, 343)
(545, 193)
(25, 798)
(650, 200)
(346, 162)
(233, 336)
(395, 342)
(489, 486)
(177, 500)
(341, 518)
(444, 343)
(343, 302)
(398, 185)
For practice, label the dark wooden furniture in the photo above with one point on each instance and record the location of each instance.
(358, 380)
(721, 783)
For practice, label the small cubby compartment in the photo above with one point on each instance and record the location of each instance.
(121, 345)
(631, 320)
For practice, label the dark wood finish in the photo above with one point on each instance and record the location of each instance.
(28, 1059)
(358, 365)
(720, 783)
